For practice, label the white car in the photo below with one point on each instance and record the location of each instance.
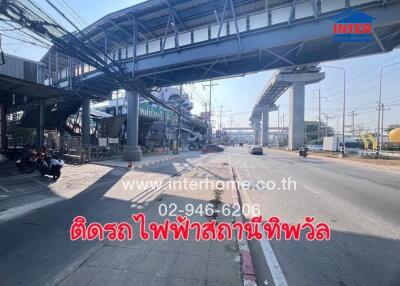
(256, 150)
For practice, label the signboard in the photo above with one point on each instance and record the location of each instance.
(103, 142)
(113, 141)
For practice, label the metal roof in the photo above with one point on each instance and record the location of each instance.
(152, 17)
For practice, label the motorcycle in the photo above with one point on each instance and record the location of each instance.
(194, 146)
(28, 162)
(303, 152)
(50, 166)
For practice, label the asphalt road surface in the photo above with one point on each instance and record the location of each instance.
(361, 205)
(35, 248)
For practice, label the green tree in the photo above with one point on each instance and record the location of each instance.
(311, 132)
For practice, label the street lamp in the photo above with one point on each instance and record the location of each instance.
(380, 133)
(344, 104)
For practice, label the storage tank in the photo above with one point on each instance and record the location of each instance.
(394, 136)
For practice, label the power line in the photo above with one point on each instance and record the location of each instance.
(368, 70)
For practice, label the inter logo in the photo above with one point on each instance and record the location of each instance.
(352, 26)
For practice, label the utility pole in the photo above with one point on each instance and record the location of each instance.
(231, 121)
(279, 129)
(327, 117)
(210, 85)
(283, 138)
(353, 115)
(179, 117)
(319, 116)
(221, 114)
(380, 103)
(383, 112)
(205, 104)
(221, 107)
(205, 115)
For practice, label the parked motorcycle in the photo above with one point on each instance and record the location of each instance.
(196, 145)
(28, 162)
(50, 166)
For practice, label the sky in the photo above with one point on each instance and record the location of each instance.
(238, 95)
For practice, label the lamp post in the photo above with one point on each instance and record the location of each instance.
(380, 133)
(344, 105)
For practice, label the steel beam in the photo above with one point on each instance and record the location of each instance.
(40, 129)
(3, 128)
(267, 39)
(86, 122)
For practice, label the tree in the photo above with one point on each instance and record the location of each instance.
(311, 132)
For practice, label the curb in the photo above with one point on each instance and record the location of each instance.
(155, 162)
(369, 165)
(247, 269)
(140, 166)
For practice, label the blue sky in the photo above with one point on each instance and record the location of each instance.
(239, 94)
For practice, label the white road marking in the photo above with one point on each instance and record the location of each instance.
(273, 264)
(28, 177)
(311, 189)
(277, 274)
(22, 210)
(4, 189)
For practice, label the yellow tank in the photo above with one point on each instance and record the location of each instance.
(394, 135)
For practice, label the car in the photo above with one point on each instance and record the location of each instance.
(211, 148)
(318, 148)
(241, 144)
(256, 150)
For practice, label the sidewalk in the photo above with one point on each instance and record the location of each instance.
(147, 161)
(171, 262)
(392, 165)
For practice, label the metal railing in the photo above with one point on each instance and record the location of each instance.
(251, 22)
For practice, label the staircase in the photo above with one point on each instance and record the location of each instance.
(56, 114)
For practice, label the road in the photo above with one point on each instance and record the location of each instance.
(361, 205)
(35, 247)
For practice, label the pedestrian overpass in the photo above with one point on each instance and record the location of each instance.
(251, 134)
(167, 42)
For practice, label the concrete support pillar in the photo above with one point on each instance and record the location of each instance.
(257, 132)
(3, 128)
(296, 115)
(86, 122)
(40, 129)
(132, 150)
(265, 128)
